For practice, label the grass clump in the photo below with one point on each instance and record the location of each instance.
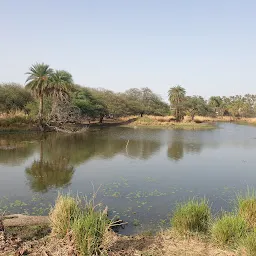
(62, 216)
(89, 230)
(249, 243)
(193, 216)
(87, 223)
(229, 230)
(247, 207)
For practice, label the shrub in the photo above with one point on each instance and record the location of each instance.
(249, 243)
(193, 216)
(229, 229)
(197, 121)
(89, 229)
(13, 97)
(62, 216)
(247, 207)
(16, 120)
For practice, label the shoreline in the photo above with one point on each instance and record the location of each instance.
(151, 122)
(192, 230)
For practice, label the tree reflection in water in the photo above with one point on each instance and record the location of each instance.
(46, 174)
(180, 145)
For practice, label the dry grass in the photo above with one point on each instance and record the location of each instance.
(12, 114)
(214, 119)
(62, 216)
(250, 120)
(166, 243)
(167, 122)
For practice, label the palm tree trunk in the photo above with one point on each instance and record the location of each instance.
(101, 119)
(54, 106)
(40, 113)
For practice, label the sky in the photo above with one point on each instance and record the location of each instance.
(206, 46)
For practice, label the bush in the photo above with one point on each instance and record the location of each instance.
(193, 216)
(249, 244)
(16, 120)
(247, 207)
(89, 229)
(197, 121)
(13, 97)
(62, 216)
(229, 229)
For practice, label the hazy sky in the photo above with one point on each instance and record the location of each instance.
(207, 46)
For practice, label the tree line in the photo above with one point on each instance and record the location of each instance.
(234, 106)
(52, 96)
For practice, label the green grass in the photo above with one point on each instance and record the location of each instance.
(247, 207)
(193, 216)
(228, 230)
(249, 243)
(89, 229)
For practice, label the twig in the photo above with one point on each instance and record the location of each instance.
(119, 224)
(127, 147)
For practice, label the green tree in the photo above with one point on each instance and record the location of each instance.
(38, 83)
(13, 97)
(195, 105)
(89, 105)
(177, 96)
(60, 84)
(144, 101)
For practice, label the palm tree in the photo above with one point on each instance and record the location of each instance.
(176, 97)
(60, 83)
(38, 83)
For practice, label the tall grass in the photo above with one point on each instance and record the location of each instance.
(193, 216)
(63, 214)
(247, 207)
(15, 120)
(228, 230)
(89, 229)
(249, 243)
(87, 223)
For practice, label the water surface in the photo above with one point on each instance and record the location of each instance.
(142, 173)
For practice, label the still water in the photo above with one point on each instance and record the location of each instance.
(141, 173)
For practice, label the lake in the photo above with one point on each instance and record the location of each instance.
(139, 173)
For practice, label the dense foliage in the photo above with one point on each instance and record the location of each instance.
(51, 96)
(13, 97)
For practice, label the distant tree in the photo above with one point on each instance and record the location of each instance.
(38, 83)
(60, 85)
(177, 98)
(216, 103)
(195, 105)
(144, 101)
(89, 105)
(13, 97)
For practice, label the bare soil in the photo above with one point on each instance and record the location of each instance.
(36, 240)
